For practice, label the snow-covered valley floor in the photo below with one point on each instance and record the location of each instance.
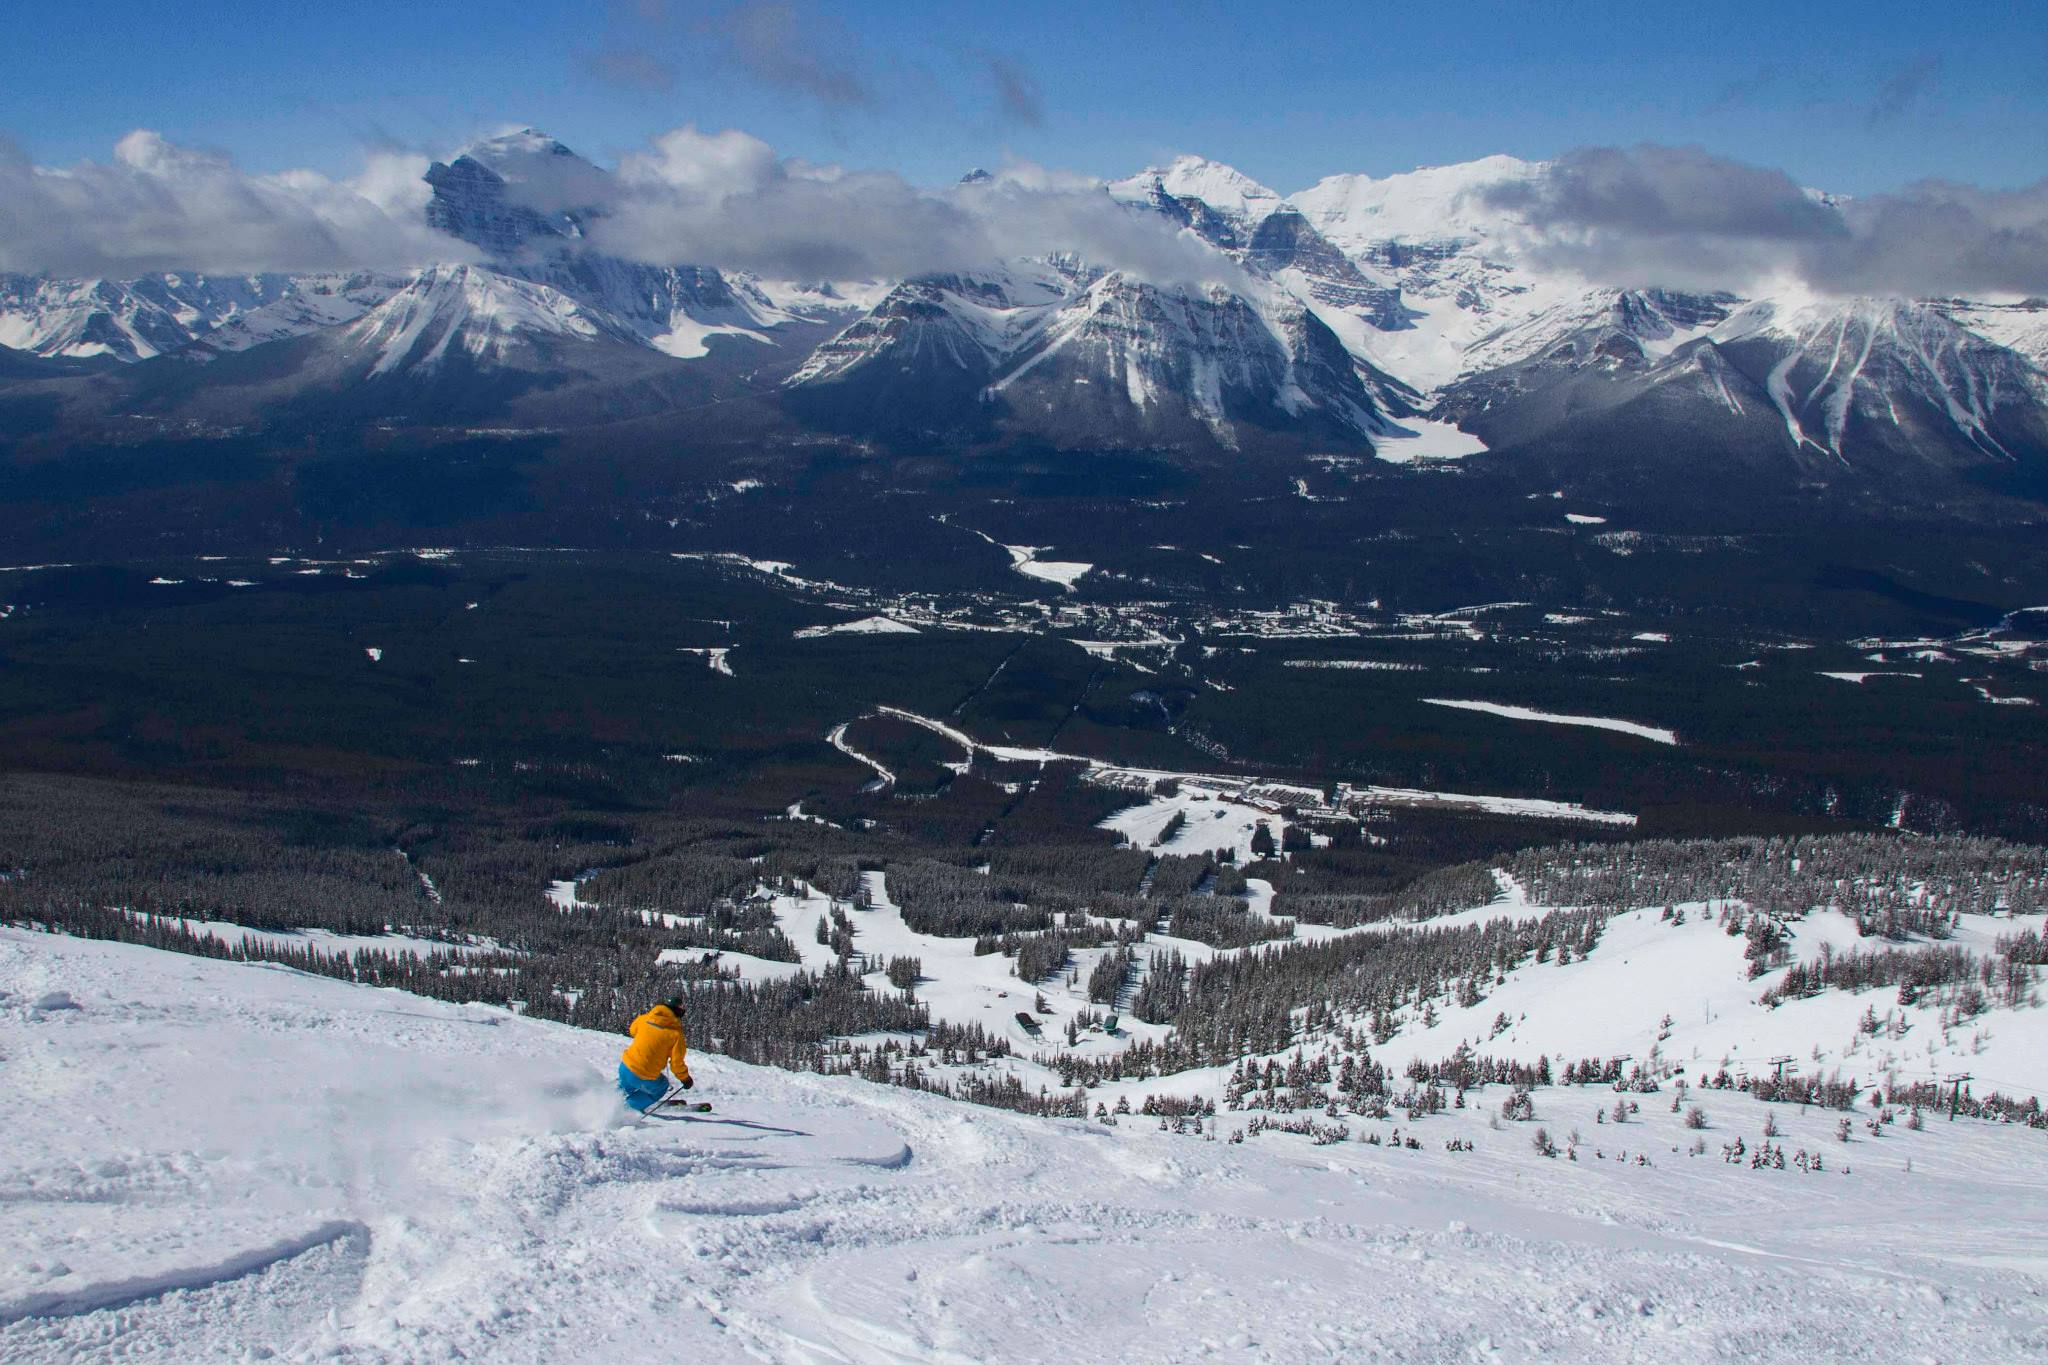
(203, 1160)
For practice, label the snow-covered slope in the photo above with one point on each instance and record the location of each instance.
(945, 325)
(1083, 356)
(312, 304)
(125, 319)
(1878, 391)
(213, 1161)
(1375, 217)
(1679, 989)
(1604, 326)
(1124, 352)
(468, 310)
(1434, 236)
(1228, 191)
(2020, 327)
(1671, 989)
(1884, 362)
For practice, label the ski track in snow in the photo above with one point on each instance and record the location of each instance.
(113, 1294)
(330, 1171)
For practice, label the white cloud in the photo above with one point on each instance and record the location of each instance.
(725, 198)
(687, 162)
(160, 206)
(1687, 218)
(1674, 217)
(721, 198)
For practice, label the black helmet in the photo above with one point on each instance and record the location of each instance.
(674, 1005)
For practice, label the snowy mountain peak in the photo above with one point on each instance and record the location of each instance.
(125, 320)
(1222, 187)
(1225, 189)
(1094, 358)
(1428, 203)
(513, 192)
(508, 150)
(466, 310)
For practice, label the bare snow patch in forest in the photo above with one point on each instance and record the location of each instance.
(1626, 727)
(1024, 559)
(1681, 989)
(2001, 699)
(1196, 819)
(749, 967)
(866, 625)
(717, 656)
(1365, 665)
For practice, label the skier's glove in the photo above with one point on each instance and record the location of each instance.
(689, 1084)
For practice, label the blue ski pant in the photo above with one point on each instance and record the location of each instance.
(640, 1092)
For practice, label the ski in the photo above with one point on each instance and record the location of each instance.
(673, 1102)
(675, 1113)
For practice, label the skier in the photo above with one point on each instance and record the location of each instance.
(657, 1042)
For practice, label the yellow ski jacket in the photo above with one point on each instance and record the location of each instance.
(657, 1042)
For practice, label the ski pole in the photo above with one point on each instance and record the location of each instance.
(673, 1091)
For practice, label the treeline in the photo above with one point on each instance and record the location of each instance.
(1976, 981)
(1874, 877)
(1022, 890)
(1442, 892)
(1260, 1002)
(1223, 922)
(148, 863)
(952, 901)
(203, 855)
(1039, 954)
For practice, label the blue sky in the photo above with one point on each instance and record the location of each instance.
(1853, 97)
